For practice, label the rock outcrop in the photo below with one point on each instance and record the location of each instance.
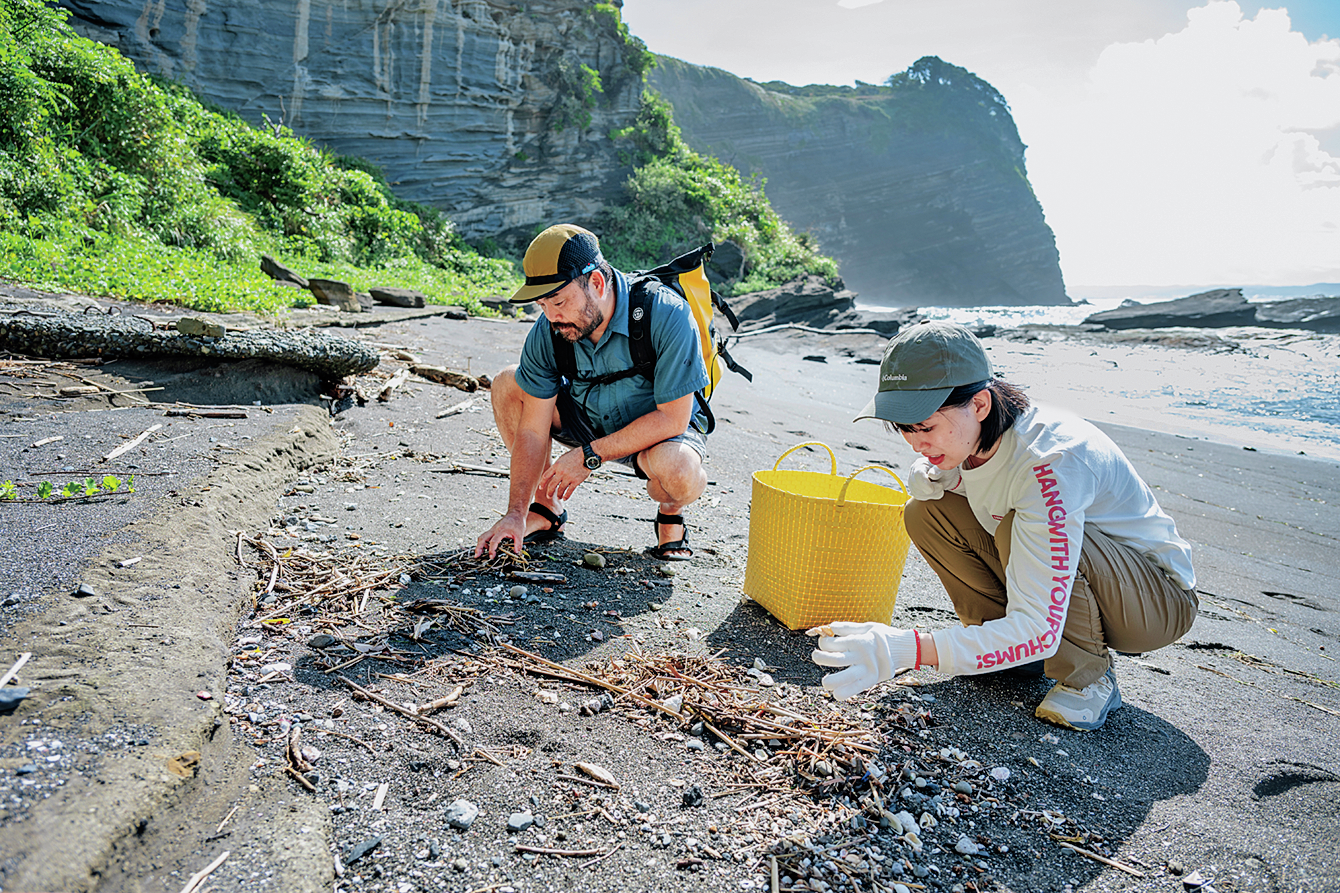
(476, 107)
(918, 189)
(807, 301)
(1224, 307)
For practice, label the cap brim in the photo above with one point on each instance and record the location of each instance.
(905, 407)
(528, 293)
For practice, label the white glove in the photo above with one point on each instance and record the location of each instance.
(930, 481)
(871, 652)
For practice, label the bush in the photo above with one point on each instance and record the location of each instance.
(678, 200)
(94, 154)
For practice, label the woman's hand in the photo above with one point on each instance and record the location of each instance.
(930, 481)
(871, 653)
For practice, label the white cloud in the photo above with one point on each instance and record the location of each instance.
(1195, 158)
(1167, 147)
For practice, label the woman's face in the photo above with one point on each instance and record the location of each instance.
(950, 436)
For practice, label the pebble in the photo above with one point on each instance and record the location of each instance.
(519, 821)
(695, 744)
(963, 787)
(26, 770)
(461, 814)
(1000, 773)
(965, 846)
(277, 667)
(84, 591)
(593, 559)
(693, 796)
(460, 864)
(517, 592)
(359, 850)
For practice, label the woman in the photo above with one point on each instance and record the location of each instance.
(1049, 544)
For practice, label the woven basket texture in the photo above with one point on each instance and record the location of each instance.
(817, 553)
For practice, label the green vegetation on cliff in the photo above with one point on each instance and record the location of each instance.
(112, 183)
(678, 199)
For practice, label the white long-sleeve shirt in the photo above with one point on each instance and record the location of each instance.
(1057, 473)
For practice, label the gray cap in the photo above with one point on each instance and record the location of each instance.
(922, 365)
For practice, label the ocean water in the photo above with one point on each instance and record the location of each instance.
(1270, 389)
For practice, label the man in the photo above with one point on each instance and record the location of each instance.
(602, 416)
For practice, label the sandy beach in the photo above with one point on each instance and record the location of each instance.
(1222, 768)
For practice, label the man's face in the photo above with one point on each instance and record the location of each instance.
(572, 311)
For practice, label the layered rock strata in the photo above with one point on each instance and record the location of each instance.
(454, 99)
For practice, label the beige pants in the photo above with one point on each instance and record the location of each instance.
(1120, 599)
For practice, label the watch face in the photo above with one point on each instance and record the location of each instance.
(592, 461)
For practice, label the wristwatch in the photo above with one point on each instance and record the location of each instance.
(592, 460)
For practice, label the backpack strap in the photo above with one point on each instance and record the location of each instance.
(640, 294)
(565, 358)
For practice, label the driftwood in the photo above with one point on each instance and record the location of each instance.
(87, 336)
(440, 375)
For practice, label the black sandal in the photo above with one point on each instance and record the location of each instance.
(663, 550)
(552, 532)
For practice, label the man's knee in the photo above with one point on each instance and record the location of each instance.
(675, 466)
(504, 383)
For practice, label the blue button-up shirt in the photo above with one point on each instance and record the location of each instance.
(609, 407)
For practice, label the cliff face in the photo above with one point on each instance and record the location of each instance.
(498, 113)
(918, 189)
(457, 100)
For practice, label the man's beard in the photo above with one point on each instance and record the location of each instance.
(591, 320)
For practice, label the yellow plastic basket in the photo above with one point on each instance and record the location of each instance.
(823, 547)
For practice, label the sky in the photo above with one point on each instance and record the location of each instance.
(1170, 142)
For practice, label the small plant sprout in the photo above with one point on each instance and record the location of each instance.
(44, 490)
(8, 490)
(70, 490)
(90, 486)
(130, 484)
(111, 483)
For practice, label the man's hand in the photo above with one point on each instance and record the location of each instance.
(511, 526)
(871, 652)
(930, 481)
(564, 476)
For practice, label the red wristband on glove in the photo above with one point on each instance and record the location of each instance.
(917, 636)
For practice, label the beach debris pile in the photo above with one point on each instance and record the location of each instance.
(803, 793)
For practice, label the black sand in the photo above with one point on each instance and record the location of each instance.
(1224, 762)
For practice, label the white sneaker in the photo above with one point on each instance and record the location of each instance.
(1083, 709)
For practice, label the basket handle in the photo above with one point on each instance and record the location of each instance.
(842, 494)
(831, 456)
